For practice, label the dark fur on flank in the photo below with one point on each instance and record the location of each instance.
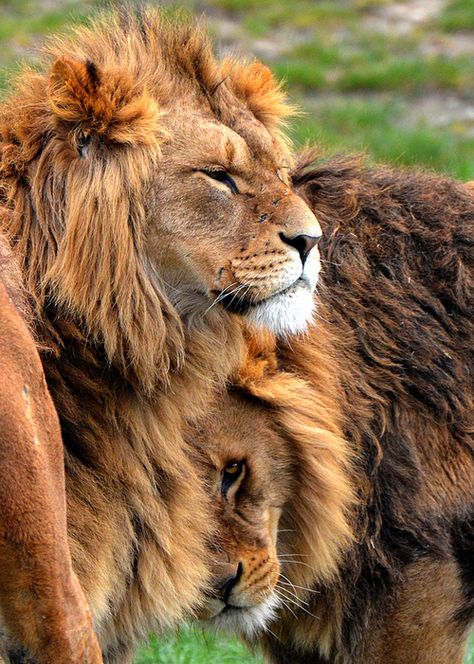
(397, 299)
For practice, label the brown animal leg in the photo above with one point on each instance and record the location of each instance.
(41, 602)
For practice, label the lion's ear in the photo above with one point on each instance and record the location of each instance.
(110, 104)
(255, 84)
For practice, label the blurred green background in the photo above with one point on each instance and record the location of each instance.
(393, 79)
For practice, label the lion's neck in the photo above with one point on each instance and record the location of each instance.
(129, 477)
(78, 373)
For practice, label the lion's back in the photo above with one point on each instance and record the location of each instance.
(398, 265)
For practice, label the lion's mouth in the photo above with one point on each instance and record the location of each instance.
(230, 608)
(247, 620)
(242, 305)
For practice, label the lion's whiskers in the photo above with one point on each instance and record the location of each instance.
(223, 294)
(294, 562)
(308, 590)
(294, 585)
(284, 601)
(298, 603)
(295, 597)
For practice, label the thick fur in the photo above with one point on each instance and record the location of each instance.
(291, 506)
(126, 242)
(387, 368)
(397, 301)
(41, 602)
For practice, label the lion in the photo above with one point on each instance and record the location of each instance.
(392, 350)
(145, 188)
(276, 464)
(35, 563)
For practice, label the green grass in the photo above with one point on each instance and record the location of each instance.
(470, 654)
(409, 74)
(375, 128)
(23, 21)
(274, 13)
(196, 647)
(334, 54)
(458, 15)
(367, 62)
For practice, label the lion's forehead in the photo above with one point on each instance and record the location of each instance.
(243, 147)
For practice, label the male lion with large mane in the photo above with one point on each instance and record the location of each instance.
(370, 414)
(144, 187)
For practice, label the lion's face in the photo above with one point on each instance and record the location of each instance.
(156, 180)
(225, 226)
(248, 471)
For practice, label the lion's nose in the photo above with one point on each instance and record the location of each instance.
(302, 243)
(226, 584)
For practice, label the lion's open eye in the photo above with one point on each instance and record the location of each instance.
(222, 176)
(231, 473)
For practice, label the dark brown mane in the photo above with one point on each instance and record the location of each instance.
(397, 301)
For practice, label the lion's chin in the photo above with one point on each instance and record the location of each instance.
(248, 621)
(285, 313)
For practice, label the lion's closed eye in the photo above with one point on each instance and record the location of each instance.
(220, 175)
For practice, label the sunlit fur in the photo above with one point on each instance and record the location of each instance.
(105, 201)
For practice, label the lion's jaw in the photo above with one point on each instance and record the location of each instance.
(229, 243)
(291, 310)
(248, 621)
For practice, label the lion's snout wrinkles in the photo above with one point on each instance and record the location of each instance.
(252, 580)
(283, 255)
(259, 578)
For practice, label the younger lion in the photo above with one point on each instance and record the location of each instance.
(277, 470)
(393, 352)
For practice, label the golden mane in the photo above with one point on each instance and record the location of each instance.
(109, 85)
(301, 388)
(123, 369)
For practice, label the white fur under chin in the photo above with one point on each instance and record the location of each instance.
(248, 622)
(286, 313)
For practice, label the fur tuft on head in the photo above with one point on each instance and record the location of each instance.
(110, 105)
(255, 84)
